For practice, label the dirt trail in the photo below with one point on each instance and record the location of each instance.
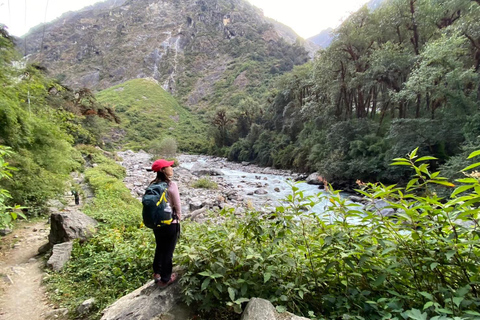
(21, 293)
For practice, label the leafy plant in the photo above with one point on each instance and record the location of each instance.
(7, 213)
(349, 261)
(205, 183)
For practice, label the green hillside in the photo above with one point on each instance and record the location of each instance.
(149, 114)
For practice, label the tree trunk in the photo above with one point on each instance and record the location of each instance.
(414, 28)
(374, 103)
(419, 99)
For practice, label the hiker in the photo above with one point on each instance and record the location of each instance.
(76, 197)
(166, 235)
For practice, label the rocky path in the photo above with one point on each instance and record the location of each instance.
(21, 294)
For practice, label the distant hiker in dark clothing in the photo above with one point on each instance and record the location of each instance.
(166, 235)
(76, 197)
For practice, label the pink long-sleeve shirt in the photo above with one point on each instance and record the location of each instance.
(174, 200)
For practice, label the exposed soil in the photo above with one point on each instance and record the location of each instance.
(21, 268)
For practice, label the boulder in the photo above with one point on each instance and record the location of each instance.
(56, 314)
(66, 226)
(315, 179)
(381, 207)
(199, 169)
(60, 255)
(55, 205)
(4, 232)
(86, 306)
(146, 303)
(261, 191)
(357, 199)
(261, 309)
(195, 204)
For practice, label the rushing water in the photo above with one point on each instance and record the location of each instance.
(278, 187)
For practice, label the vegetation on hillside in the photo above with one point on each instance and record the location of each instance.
(148, 116)
(402, 76)
(40, 121)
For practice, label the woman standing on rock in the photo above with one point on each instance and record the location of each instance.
(166, 235)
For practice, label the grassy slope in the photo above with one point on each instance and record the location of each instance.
(150, 113)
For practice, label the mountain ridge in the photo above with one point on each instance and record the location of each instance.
(188, 46)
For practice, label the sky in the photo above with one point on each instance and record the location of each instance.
(306, 17)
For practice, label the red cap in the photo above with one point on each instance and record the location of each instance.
(161, 163)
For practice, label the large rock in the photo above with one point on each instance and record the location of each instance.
(86, 306)
(261, 309)
(4, 232)
(315, 179)
(147, 303)
(199, 169)
(260, 191)
(60, 255)
(66, 226)
(381, 207)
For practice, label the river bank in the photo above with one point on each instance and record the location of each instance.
(240, 186)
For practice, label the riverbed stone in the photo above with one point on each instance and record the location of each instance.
(195, 204)
(260, 191)
(200, 169)
(315, 179)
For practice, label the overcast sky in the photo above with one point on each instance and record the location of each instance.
(306, 17)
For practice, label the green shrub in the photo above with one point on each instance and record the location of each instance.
(347, 262)
(165, 148)
(7, 213)
(205, 183)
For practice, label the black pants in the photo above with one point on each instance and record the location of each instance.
(166, 240)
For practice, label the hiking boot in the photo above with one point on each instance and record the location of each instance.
(156, 277)
(162, 284)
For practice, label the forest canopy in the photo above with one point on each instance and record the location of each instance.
(402, 76)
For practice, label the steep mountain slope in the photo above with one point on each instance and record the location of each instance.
(192, 48)
(291, 37)
(148, 114)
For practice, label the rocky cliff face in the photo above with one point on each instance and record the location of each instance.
(186, 45)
